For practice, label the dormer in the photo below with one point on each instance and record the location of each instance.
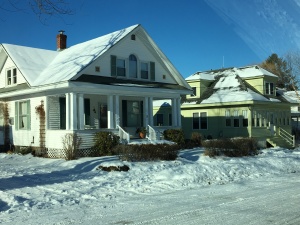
(199, 82)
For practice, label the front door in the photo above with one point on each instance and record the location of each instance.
(103, 116)
(132, 113)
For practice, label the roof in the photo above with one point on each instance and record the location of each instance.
(229, 86)
(53, 66)
(244, 72)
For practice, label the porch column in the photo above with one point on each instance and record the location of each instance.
(73, 111)
(178, 112)
(81, 111)
(117, 110)
(68, 111)
(174, 112)
(146, 111)
(110, 114)
(150, 111)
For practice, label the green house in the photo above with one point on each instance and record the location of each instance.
(237, 102)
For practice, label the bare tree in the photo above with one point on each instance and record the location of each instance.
(293, 62)
(42, 8)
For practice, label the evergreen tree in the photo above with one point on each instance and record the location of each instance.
(280, 67)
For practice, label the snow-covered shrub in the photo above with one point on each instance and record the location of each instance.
(235, 147)
(148, 152)
(71, 143)
(105, 143)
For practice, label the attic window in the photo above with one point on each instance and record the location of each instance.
(194, 92)
(133, 37)
(97, 68)
(11, 76)
(164, 77)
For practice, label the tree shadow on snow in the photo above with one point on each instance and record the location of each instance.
(79, 172)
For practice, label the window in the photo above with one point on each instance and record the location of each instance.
(121, 69)
(144, 70)
(253, 119)
(194, 91)
(203, 120)
(159, 119)
(227, 118)
(269, 88)
(132, 66)
(245, 118)
(200, 122)
(8, 77)
(22, 110)
(170, 119)
(196, 121)
(97, 68)
(236, 120)
(11, 76)
(133, 37)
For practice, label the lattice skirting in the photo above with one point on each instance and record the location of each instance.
(60, 153)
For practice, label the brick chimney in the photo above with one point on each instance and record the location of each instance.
(61, 40)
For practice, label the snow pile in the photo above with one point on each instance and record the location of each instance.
(29, 185)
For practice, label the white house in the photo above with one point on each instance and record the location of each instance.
(108, 83)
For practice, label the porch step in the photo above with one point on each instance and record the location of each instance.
(278, 141)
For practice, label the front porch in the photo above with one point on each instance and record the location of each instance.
(86, 114)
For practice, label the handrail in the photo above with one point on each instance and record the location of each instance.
(123, 134)
(151, 134)
(287, 136)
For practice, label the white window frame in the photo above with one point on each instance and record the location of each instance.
(125, 66)
(140, 70)
(268, 89)
(22, 124)
(12, 80)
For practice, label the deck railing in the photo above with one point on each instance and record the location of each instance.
(286, 136)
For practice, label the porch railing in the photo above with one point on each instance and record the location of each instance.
(151, 134)
(286, 136)
(123, 134)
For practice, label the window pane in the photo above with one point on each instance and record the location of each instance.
(195, 121)
(132, 66)
(159, 119)
(170, 119)
(144, 70)
(9, 77)
(267, 88)
(203, 120)
(236, 122)
(14, 76)
(271, 88)
(121, 67)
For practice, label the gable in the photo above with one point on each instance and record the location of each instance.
(123, 51)
(29, 61)
(10, 75)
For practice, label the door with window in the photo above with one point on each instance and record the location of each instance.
(132, 113)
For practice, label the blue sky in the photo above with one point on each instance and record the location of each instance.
(196, 35)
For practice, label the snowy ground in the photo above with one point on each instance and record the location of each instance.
(194, 189)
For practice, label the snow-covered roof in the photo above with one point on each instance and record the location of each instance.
(25, 59)
(244, 72)
(290, 96)
(40, 67)
(162, 103)
(230, 88)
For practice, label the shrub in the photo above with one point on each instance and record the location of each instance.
(105, 142)
(71, 143)
(175, 135)
(147, 152)
(196, 140)
(23, 150)
(236, 147)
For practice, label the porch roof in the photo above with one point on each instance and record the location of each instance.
(126, 82)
